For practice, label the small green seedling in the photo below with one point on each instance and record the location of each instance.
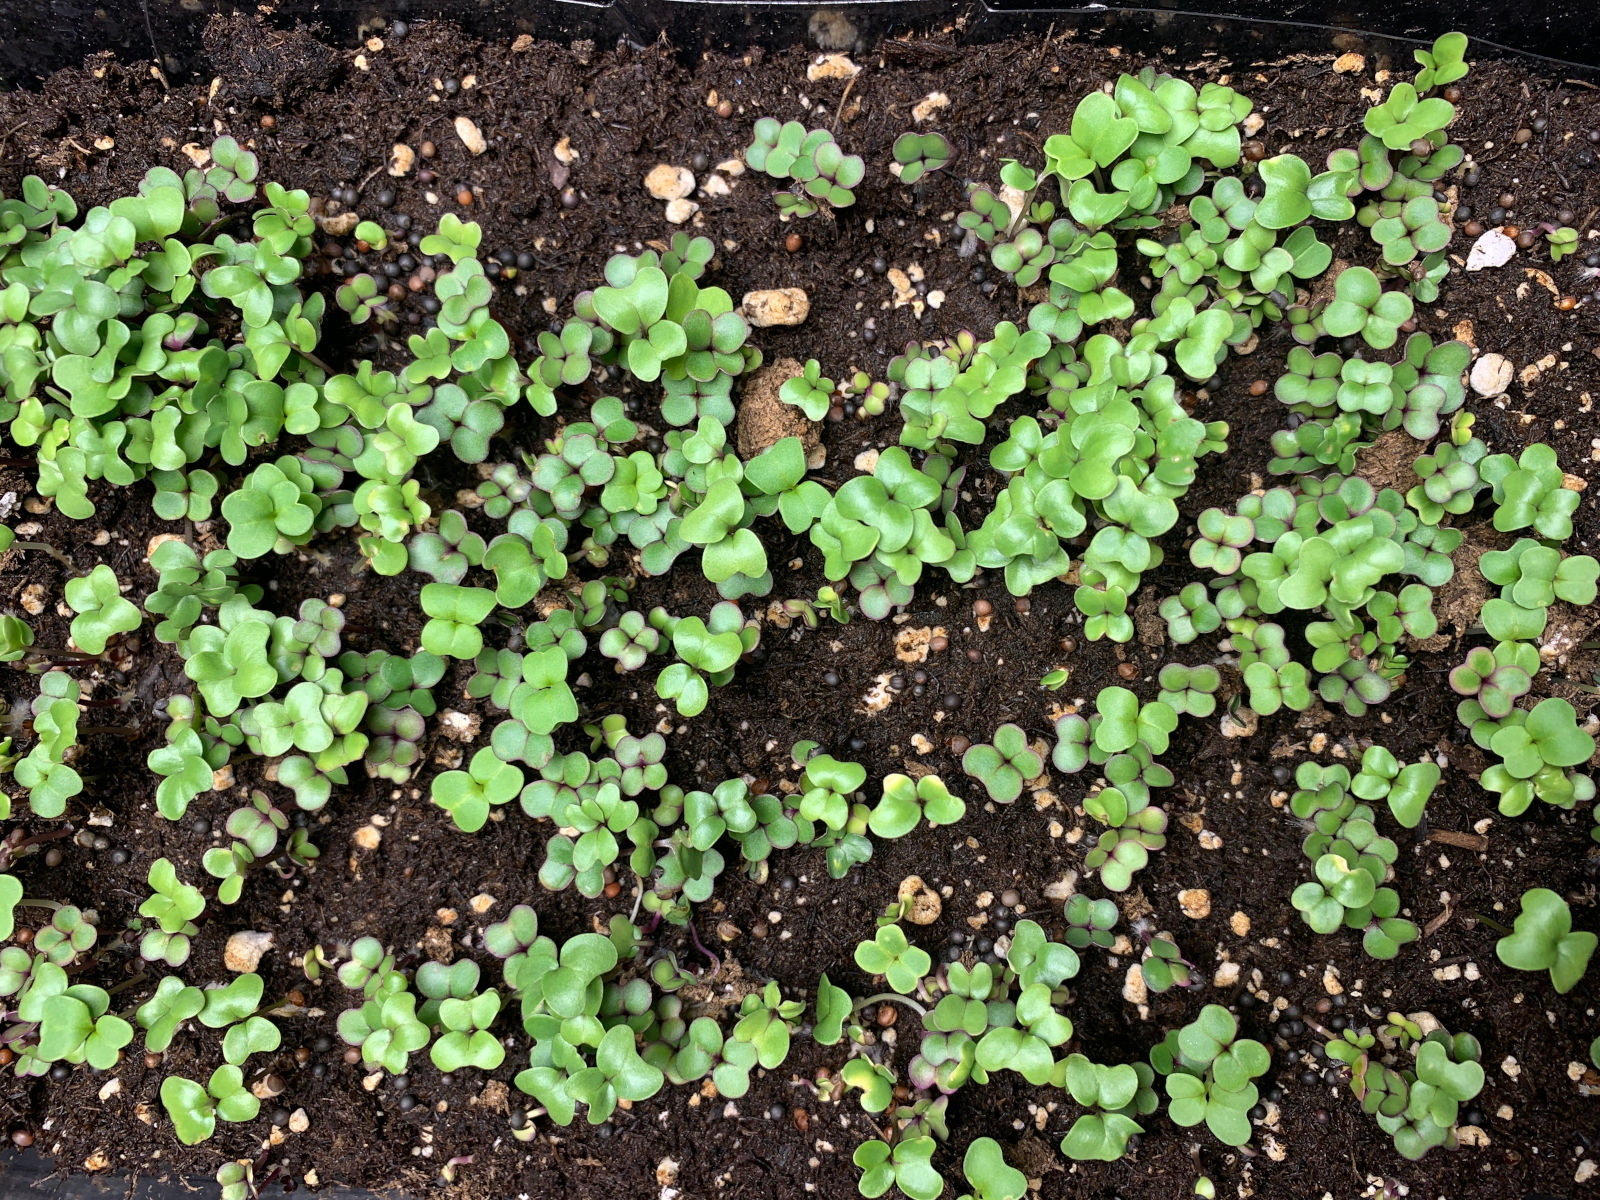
(908, 1166)
(1543, 939)
(1005, 766)
(102, 611)
(195, 1110)
(809, 391)
(905, 801)
(889, 954)
(988, 1173)
(1209, 1069)
(1562, 242)
(919, 154)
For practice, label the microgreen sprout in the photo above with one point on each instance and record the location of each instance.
(919, 154)
(1005, 766)
(1544, 939)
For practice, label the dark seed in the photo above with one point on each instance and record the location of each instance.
(452, 86)
(60, 1071)
(1539, 124)
(1471, 177)
(280, 1117)
(120, 857)
(52, 857)
(569, 198)
(879, 266)
(407, 1102)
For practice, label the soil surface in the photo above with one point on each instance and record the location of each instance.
(325, 119)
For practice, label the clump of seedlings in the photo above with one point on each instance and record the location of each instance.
(172, 339)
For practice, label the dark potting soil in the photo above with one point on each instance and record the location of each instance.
(322, 119)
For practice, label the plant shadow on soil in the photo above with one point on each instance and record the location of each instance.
(625, 110)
